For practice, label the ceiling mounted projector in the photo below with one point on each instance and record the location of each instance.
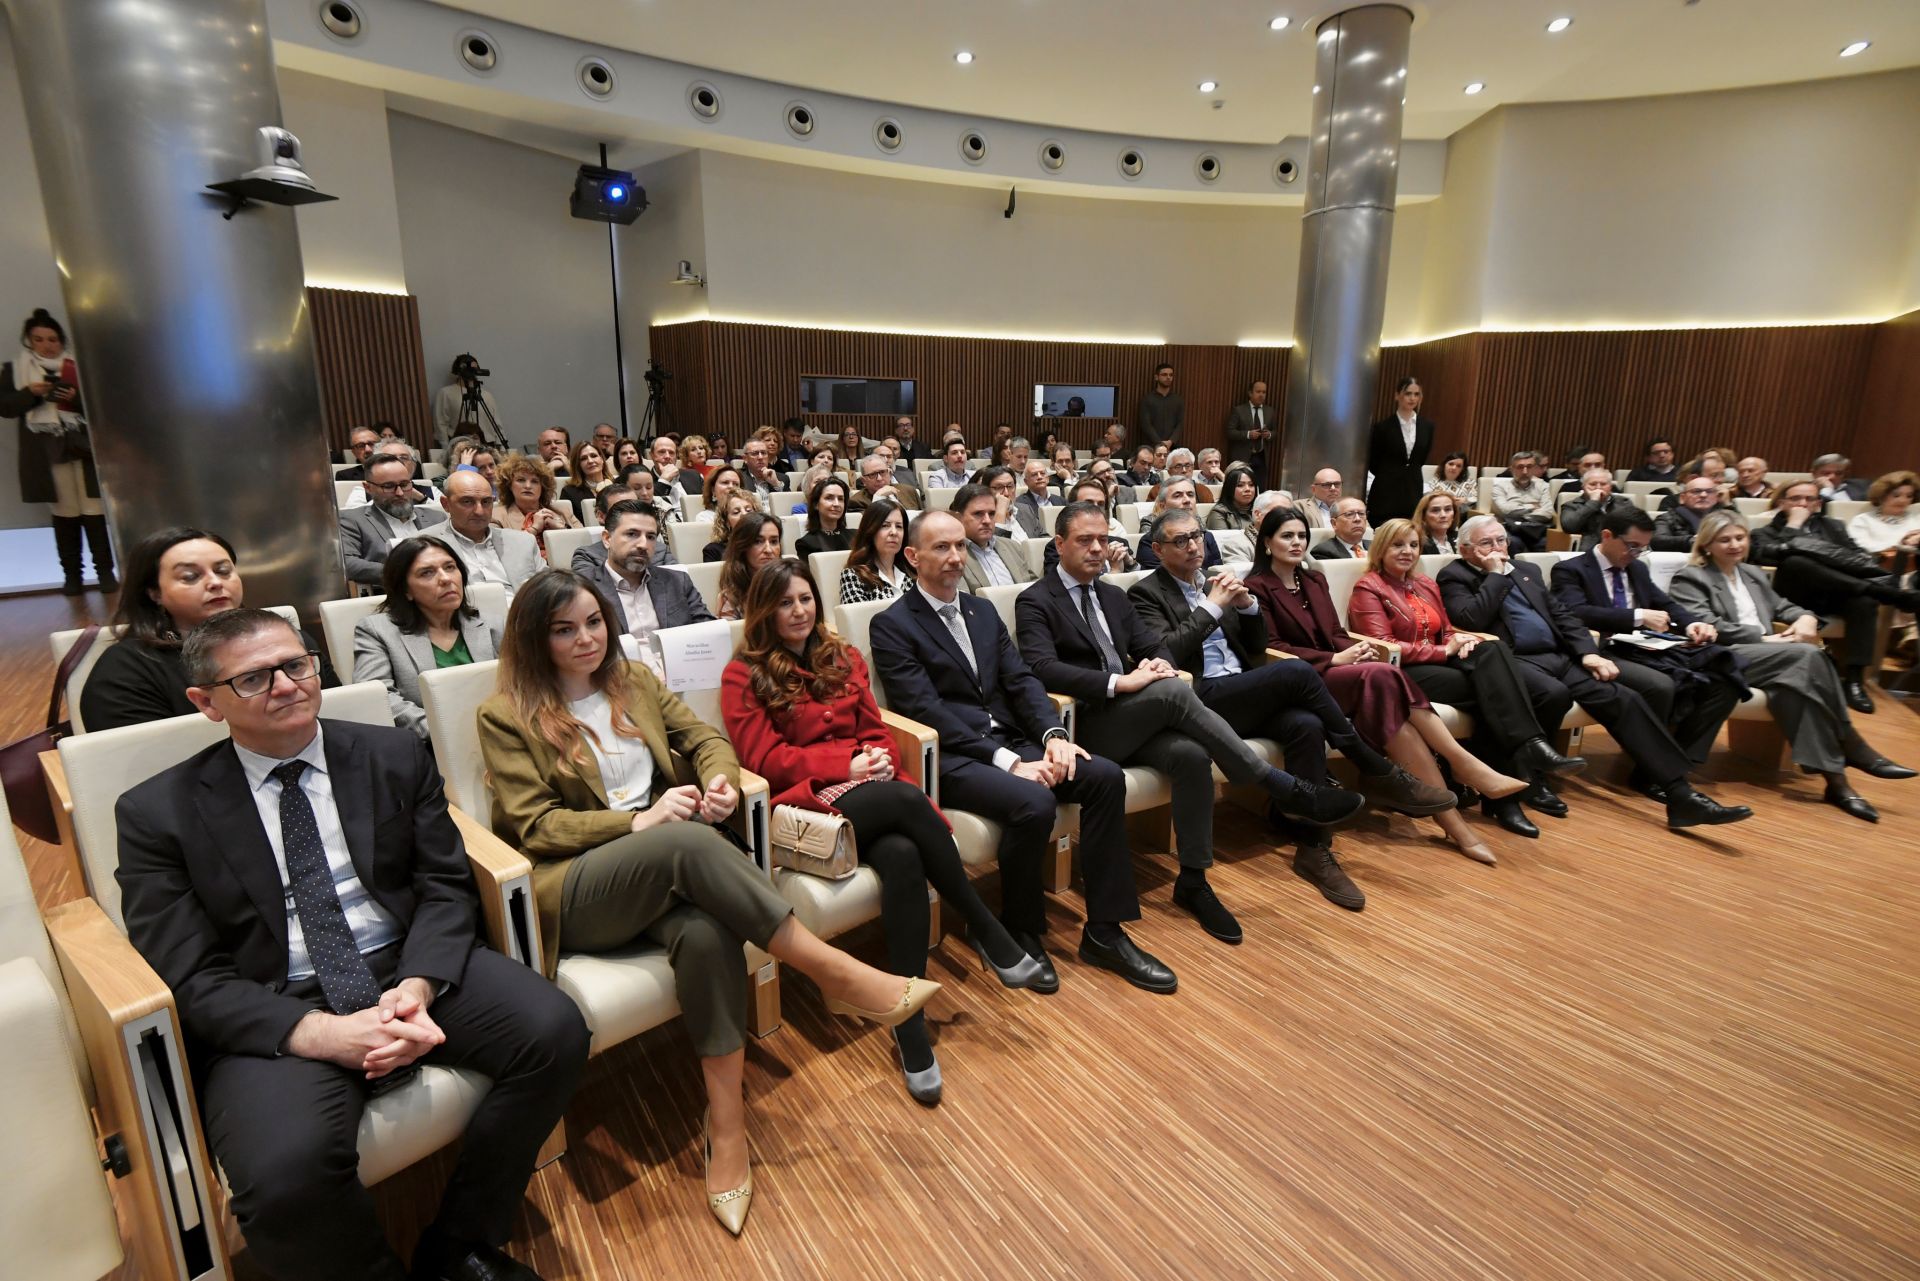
(607, 195)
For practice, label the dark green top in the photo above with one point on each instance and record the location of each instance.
(455, 657)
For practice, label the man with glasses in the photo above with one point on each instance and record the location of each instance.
(367, 533)
(1485, 591)
(362, 441)
(1524, 502)
(1597, 501)
(394, 447)
(904, 435)
(876, 481)
(303, 892)
(759, 476)
(491, 554)
(1693, 688)
(1323, 496)
(1680, 524)
(1349, 540)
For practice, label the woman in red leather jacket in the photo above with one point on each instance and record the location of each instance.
(1387, 708)
(1395, 602)
(799, 708)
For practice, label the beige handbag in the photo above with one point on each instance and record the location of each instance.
(815, 843)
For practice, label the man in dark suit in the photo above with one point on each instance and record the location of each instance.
(1250, 426)
(1656, 463)
(1349, 539)
(391, 514)
(1596, 502)
(305, 895)
(912, 450)
(1830, 473)
(1141, 476)
(646, 597)
(1692, 690)
(361, 441)
(1484, 591)
(1082, 637)
(1397, 449)
(945, 659)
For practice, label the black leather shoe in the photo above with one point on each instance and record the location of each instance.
(1536, 756)
(1688, 808)
(1049, 981)
(1542, 798)
(1647, 787)
(1881, 767)
(1325, 806)
(1507, 813)
(1124, 957)
(1402, 793)
(1851, 803)
(437, 1259)
(1857, 697)
(1207, 909)
(1316, 865)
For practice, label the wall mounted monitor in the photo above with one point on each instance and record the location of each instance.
(1074, 400)
(839, 394)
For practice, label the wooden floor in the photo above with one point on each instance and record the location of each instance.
(1621, 1053)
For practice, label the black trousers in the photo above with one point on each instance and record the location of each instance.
(1526, 535)
(1694, 720)
(1025, 811)
(1490, 684)
(1277, 701)
(1815, 585)
(902, 838)
(1623, 712)
(284, 1129)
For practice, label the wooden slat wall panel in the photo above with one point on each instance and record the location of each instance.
(1886, 434)
(682, 351)
(367, 346)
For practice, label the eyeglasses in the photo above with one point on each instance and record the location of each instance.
(1636, 550)
(258, 681)
(396, 487)
(1187, 539)
(1489, 544)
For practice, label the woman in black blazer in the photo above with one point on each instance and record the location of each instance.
(1397, 480)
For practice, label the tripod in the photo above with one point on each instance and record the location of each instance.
(474, 410)
(658, 416)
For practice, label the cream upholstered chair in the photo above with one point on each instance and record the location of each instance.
(688, 539)
(781, 502)
(792, 529)
(1341, 575)
(692, 505)
(563, 543)
(344, 490)
(1035, 550)
(62, 641)
(825, 568)
(338, 617)
(57, 1218)
(107, 975)
(939, 500)
(620, 993)
(706, 581)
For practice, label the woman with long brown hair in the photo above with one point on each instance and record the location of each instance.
(826, 518)
(752, 544)
(875, 569)
(579, 747)
(799, 708)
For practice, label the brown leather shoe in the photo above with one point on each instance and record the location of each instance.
(1317, 865)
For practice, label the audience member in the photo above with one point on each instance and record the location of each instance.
(1830, 474)
(952, 472)
(604, 437)
(423, 623)
(1120, 558)
(627, 453)
(395, 448)
(361, 441)
(1397, 449)
(638, 857)
(1141, 475)
(875, 568)
(1656, 463)
(1027, 508)
(1063, 467)
(721, 481)
(1893, 526)
(366, 533)
(759, 476)
(1583, 461)
(993, 560)
(1750, 479)
(589, 473)
(1348, 539)
(1582, 516)
(1162, 412)
(905, 435)
(1707, 466)
(664, 454)
(1678, 525)
(1454, 475)
(460, 452)
(827, 529)
(176, 580)
(645, 595)
(1324, 493)
(1523, 502)
(1176, 494)
(485, 462)
(1250, 426)
(696, 456)
(877, 481)
(793, 443)
(490, 553)
(1437, 518)
(721, 521)
(552, 446)
(529, 506)
(1234, 510)
(752, 544)
(1209, 470)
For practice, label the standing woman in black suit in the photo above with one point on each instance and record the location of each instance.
(1396, 450)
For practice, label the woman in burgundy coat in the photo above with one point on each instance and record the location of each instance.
(799, 708)
(1386, 707)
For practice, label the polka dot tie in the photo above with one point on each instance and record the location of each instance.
(344, 977)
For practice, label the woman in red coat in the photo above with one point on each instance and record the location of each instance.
(799, 708)
(1387, 708)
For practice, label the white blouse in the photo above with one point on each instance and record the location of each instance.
(626, 766)
(1745, 612)
(1875, 533)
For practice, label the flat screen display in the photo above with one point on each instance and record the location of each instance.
(836, 394)
(1073, 400)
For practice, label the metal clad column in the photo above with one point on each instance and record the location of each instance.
(1353, 167)
(195, 345)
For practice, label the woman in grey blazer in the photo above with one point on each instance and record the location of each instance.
(425, 623)
(1803, 687)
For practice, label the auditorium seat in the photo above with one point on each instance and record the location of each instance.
(343, 492)
(706, 580)
(939, 500)
(781, 502)
(561, 544)
(825, 568)
(338, 617)
(691, 505)
(687, 539)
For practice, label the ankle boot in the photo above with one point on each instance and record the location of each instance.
(100, 544)
(66, 540)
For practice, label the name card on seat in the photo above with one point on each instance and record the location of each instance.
(694, 656)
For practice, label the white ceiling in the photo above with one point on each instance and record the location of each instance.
(1131, 66)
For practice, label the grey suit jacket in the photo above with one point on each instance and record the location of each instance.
(676, 601)
(384, 653)
(1026, 511)
(364, 539)
(1011, 554)
(1239, 448)
(1704, 592)
(519, 553)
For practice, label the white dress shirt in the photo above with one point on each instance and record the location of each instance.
(637, 603)
(1626, 581)
(1745, 612)
(626, 766)
(482, 559)
(1407, 426)
(373, 926)
(998, 575)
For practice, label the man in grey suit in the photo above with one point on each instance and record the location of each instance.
(991, 560)
(1026, 508)
(491, 554)
(1249, 428)
(645, 597)
(389, 516)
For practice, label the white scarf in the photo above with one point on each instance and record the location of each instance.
(47, 417)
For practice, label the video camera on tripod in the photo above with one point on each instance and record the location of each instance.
(473, 405)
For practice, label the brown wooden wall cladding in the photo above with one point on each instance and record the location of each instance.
(367, 347)
(1786, 393)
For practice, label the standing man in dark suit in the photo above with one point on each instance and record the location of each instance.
(946, 660)
(1162, 412)
(645, 596)
(303, 892)
(1485, 591)
(1250, 426)
(1397, 449)
(1692, 690)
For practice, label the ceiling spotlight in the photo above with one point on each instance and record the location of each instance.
(1402, 75)
(1475, 87)
(963, 57)
(1280, 24)
(1208, 86)
(1858, 46)
(1558, 25)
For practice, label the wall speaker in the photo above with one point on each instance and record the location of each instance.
(703, 100)
(799, 119)
(596, 78)
(478, 51)
(1133, 163)
(887, 134)
(973, 147)
(1053, 156)
(1286, 170)
(1207, 167)
(340, 19)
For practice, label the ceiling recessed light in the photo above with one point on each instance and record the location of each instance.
(1476, 87)
(1558, 25)
(1858, 46)
(1208, 86)
(963, 57)
(1280, 24)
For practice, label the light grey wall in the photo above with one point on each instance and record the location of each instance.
(672, 228)
(352, 242)
(502, 270)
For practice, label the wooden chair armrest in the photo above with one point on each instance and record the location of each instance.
(56, 773)
(753, 818)
(918, 748)
(1275, 655)
(504, 878)
(1067, 708)
(1391, 646)
(105, 976)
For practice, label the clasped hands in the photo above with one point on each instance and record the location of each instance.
(1149, 671)
(1061, 759)
(378, 1040)
(678, 804)
(1228, 592)
(1804, 630)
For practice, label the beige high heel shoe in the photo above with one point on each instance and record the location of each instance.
(730, 1207)
(918, 993)
(1490, 782)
